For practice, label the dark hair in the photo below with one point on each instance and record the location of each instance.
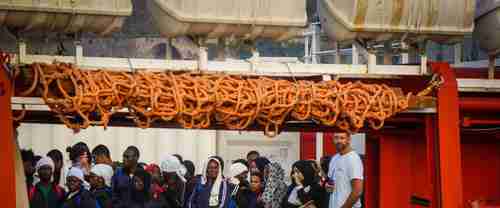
(134, 149)
(77, 150)
(258, 175)
(261, 163)
(307, 170)
(179, 157)
(36, 159)
(55, 155)
(190, 167)
(242, 161)
(253, 152)
(27, 155)
(325, 163)
(220, 160)
(101, 150)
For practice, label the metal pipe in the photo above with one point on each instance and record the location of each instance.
(479, 104)
(467, 122)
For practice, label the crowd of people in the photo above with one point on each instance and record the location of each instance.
(93, 180)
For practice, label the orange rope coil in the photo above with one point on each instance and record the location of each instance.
(82, 97)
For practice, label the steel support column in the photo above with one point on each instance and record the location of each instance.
(7, 175)
(430, 134)
(449, 164)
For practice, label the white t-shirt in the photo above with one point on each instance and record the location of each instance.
(343, 169)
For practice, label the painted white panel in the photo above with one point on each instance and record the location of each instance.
(285, 148)
(195, 145)
(358, 143)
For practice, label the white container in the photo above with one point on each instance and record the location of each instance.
(487, 29)
(68, 16)
(378, 20)
(248, 19)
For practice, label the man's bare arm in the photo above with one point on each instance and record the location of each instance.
(357, 189)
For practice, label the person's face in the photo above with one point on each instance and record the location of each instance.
(255, 183)
(29, 170)
(138, 184)
(242, 177)
(341, 141)
(213, 169)
(100, 159)
(295, 173)
(252, 157)
(253, 167)
(96, 181)
(129, 159)
(84, 158)
(73, 183)
(45, 173)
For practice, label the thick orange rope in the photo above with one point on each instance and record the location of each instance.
(82, 98)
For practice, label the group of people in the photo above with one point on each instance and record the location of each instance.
(93, 180)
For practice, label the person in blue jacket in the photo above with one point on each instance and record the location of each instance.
(212, 191)
(100, 184)
(122, 183)
(78, 196)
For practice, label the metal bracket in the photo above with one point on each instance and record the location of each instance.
(78, 53)
(21, 47)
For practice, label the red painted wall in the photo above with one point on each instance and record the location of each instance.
(396, 166)
(402, 169)
(481, 167)
(307, 145)
(372, 173)
(328, 146)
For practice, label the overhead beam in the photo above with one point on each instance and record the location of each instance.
(233, 67)
(406, 120)
(418, 105)
(478, 85)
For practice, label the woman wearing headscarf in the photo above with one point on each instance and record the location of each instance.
(174, 181)
(241, 196)
(305, 190)
(80, 157)
(100, 184)
(213, 191)
(45, 194)
(275, 188)
(141, 194)
(78, 196)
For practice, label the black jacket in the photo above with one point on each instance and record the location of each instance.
(313, 192)
(83, 199)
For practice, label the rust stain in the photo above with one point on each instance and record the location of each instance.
(433, 13)
(397, 11)
(361, 10)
